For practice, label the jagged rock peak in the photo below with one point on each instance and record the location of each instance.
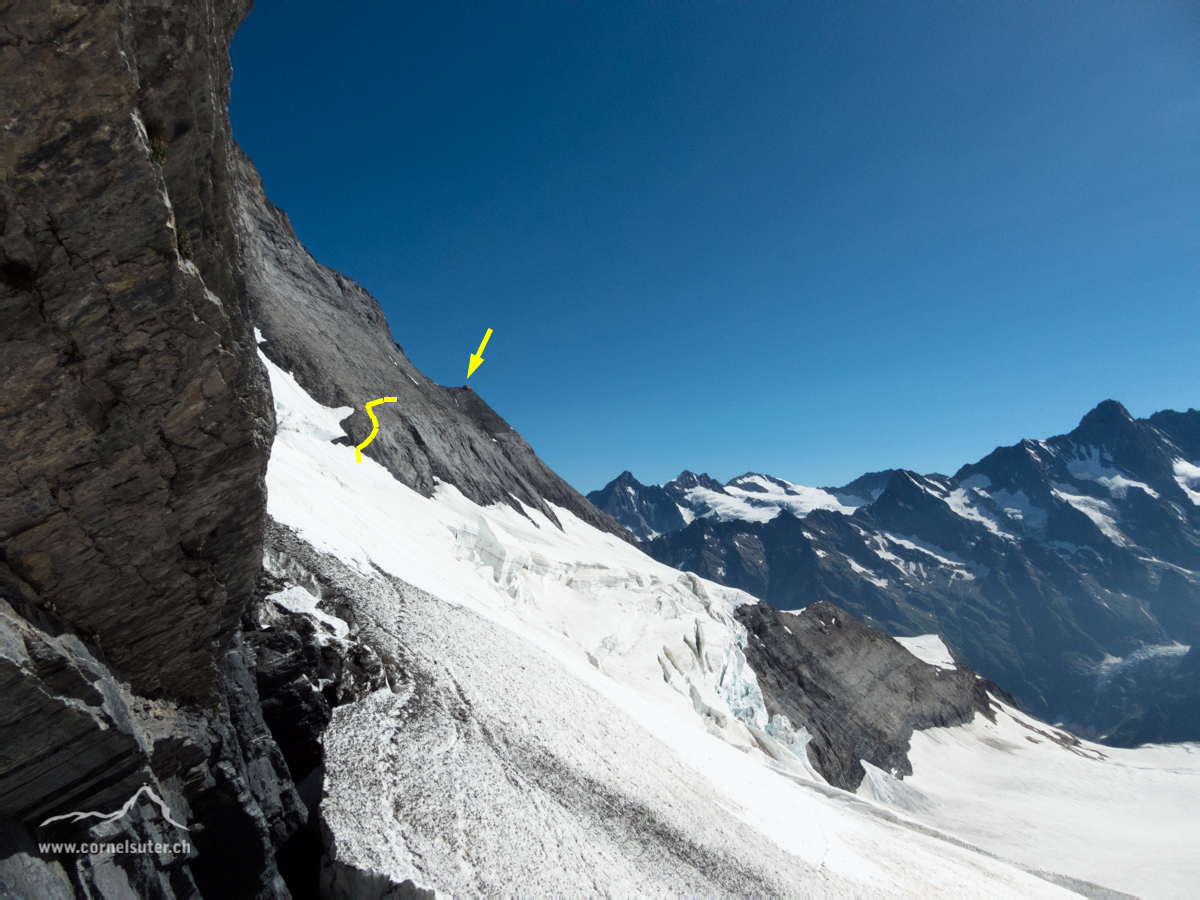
(1110, 426)
(646, 510)
(686, 480)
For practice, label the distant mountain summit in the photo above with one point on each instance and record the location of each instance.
(651, 510)
(646, 510)
(1066, 570)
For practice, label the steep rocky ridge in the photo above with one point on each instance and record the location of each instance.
(646, 510)
(333, 337)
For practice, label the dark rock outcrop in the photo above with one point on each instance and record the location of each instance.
(76, 739)
(243, 775)
(857, 691)
(1154, 698)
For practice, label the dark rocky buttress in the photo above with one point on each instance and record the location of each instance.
(859, 693)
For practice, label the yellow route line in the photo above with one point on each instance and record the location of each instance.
(375, 430)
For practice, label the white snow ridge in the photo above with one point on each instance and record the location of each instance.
(568, 717)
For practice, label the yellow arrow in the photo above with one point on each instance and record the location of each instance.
(375, 430)
(477, 356)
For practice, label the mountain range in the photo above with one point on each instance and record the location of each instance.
(1066, 570)
(443, 670)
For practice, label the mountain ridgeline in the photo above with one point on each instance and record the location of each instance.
(323, 727)
(1065, 570)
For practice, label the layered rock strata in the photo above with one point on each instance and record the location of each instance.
(858, 692)
(137, 416)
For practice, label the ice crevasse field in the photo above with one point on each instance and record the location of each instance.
(580, 654)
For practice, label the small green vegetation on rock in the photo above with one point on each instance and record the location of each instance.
(157, 132)
(184, 241)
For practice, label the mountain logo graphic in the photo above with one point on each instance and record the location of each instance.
(124, 810)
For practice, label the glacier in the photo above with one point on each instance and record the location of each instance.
(564, 715)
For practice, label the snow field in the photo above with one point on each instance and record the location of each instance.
(1126, 819)
(584, 721)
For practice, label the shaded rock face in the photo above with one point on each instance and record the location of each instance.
(137, 416)
(866, 488)
(1154, 698)
(331, 335)
(646, 510)
(243, 775)
(857, 691)
(75, 738)
(1036, 564)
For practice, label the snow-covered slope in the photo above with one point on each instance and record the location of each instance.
(564, 714)
(759, 498)
(1033, 793)
(928, 648)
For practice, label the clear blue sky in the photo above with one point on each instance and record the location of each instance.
(807, 239)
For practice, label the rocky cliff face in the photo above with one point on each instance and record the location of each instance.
(138, 425)
(138, 421)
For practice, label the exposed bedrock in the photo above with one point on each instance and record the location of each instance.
(332, 336)
(859, 692)
(74, 738)
(244, 774)
(137, 415)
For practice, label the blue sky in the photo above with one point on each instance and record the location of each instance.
(807, 239)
